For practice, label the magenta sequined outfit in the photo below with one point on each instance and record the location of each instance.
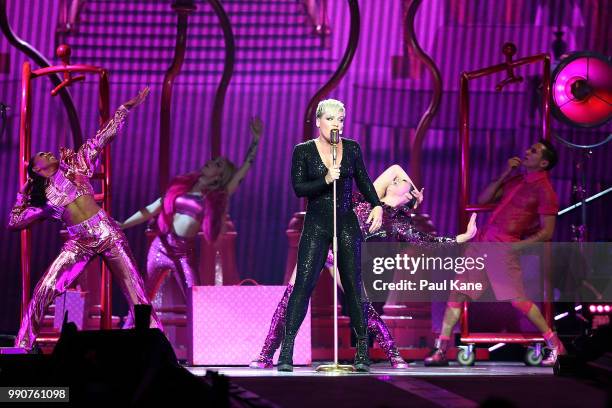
(397, 225)
(98, 235)
(173, 253)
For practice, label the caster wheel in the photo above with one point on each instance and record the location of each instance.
(533, 357)
(465, 357)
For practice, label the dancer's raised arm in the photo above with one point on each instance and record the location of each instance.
(143, 215)
(256, 127)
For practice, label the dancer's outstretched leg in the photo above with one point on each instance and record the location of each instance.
(379, 329)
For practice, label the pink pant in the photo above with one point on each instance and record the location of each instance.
(174, 254)
(503, 272)
(99, 235)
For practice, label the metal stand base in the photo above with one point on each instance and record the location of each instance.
(335, 368)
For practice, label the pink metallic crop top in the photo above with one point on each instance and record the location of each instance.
(71, 179)
(190, 204)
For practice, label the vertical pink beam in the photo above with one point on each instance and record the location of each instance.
(464, 145)
(25, 143)
(546, 99)
(546, 134)
(464, 320)
(106, 283)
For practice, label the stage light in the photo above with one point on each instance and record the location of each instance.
(577, 308)
(561, 316)
(582, 89)
(600, 308)
(592, 308)
(607, 308)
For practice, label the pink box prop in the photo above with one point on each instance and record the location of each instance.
(72, 301)
(227, 325)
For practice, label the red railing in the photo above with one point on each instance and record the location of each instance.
(464, 113)
(37, 57)
(25, 143)
(465, 206)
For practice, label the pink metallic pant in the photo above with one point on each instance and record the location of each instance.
(171, 253)
(99, 235)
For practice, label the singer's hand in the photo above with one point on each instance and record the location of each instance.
(375, 218)
(514, 163)
(333, 173)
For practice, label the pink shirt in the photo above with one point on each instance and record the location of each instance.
(191, 205)
(525, 197)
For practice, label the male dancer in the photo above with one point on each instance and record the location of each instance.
(525, 201)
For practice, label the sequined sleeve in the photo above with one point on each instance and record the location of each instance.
(23, 215)
(87, 155)
(404, 231)
(364, 184)
(299, 175)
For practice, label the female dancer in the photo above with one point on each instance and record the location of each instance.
(61, 189)
(312, 173)
(399, 196)
(193, 202)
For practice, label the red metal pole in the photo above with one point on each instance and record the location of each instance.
(464, 320)
(106, 283)
(504, 66)
(464, 140)
(25, 143)
(546, 98)
(464, 143)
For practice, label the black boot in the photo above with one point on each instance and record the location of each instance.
(285, 359)
(362, 358)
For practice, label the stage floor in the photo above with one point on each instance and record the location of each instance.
(490, 384)
(485, 368)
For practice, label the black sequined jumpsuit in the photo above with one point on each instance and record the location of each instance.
(308, 178)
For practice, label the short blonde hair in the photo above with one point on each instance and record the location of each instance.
(329, 104)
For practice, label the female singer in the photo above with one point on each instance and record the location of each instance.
(399, 197)
(312, 173)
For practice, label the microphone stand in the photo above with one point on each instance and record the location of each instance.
(335, 368)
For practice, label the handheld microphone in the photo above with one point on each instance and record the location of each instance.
(334, 136)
